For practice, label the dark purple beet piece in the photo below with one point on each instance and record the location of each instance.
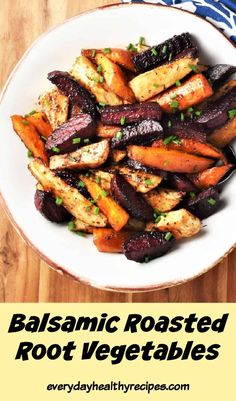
(148, 245)
(217, 74)
(78, 95)
(164, 52)
(130, 113)
(185, 129)
(72, 179)
(216, 113)
(180, 182)
(45, 203)
(130, 200)
(134, 164)
(137, 134)
(70, 135)
(204, 204)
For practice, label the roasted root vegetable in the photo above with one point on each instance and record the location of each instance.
(71, 135)
(181, 223)
(55, 105)
(90, 156)
(151, 83)
(169, 160)
(218, 73)
(41, 123)
(85, 72)
(193, 91)
(180, 183)
(106, 131)
(135, 165)
(204, 204)
(209, 177)
(164, 52)
(130, 113)
(78, 95)
(224, 135)
(185, 129)
(118, 56)
(118, 155)
(115, 78)
(76, 204)
(116, 215)
(130, 200)
(108, 240)
(164, 199)
(190, 146)
(30, 136)
(146, 246)
(140, 181)
(78, 225)
(53, 211)
(140, 133)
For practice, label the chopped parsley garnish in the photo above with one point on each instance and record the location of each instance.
(157, 219)
(97, 197)
(122, 121)
(192, 194)
(211, 201)
(164, 49)
(30, 153)
(25, 122)
(86, 140)
(104, 193)
(55, 149)
(30, 113)
(119, 135)
(168, 236)
(154, 52)
(177, 83)
(198, 113)
(131, 47)
(172, 138)
(107, 50)
(148, 182)
(58, 201)
(76, 140)
(170, 57)
(80, 234)
(47, 103)
(96, 80)
(88, 208)
(81, 184)
(96, 210)
(43, 138)
(71, 225)
(193, 67)
(141, 40)
(232, 113)
(97, 180)
(190, 110)
(93, 53)
(182, 116)
(174, 104)
(99, 69)
(102, 104)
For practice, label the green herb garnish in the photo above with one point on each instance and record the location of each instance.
(168, 236)
(192, 194)
(164, 49)
(178, 83)
(107, 50)
(97, 180)
(58, 201)
(146, 259)
(88, 208)
(71, 225)
(119, 135)
(55, 149)
(141, 40)
(131, 47)
(93, 53)
(154, 52)
(29, 153)
(182, 117)
(102, 104)
(193, 67)
(96, 210)
(30, 113)
(101, 80)
(172, 138)
(99, 69)
(76, 140)
(148, 182)
(81, 184)
(122, 121)
(86, 140)
(169, 124)
(25, 122)
(198, 113)
(232, 113)
(174, 104)
(156, 85)
(170, 57)
(211, 201)
(105, 193)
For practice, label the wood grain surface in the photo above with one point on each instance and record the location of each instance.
(23, 276)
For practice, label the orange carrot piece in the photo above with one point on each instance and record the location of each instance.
(209, 177)
(118, 56)
(28, 134)
(107, 131)
(116, 215)
(193, 147)
(108, 240)
(41, 123)
(224, 135)
(169, 160)
(194, 91)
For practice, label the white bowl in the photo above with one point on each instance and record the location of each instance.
(57, 49)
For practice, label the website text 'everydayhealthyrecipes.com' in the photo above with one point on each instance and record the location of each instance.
(146, 387)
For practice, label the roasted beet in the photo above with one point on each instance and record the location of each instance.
(137, 134)
(185, 129)
(204, 204)
(166, 51)
(72, 179)
(134, 164)
(180, 182)
(45, 203)
(70, 135)
(130, 200)
(78, 95)
(216, 113)
(130, 113)
(148, 245)
(217, 74)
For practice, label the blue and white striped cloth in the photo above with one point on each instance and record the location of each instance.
(221, 13)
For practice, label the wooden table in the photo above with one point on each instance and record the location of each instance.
(23, 276)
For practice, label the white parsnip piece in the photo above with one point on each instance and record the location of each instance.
(55, 106)
(163, 199)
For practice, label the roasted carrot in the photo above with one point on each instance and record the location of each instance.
(108, 240)
(115, 78)
(169, 160)
(118, 56)
(29, 135)
(117, 155)
(107, 131)
(224, 135)
(190, 146)
(194, 91)
(116, 215)
(41, 123)
(209, 177)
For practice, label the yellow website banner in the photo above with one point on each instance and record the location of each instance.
(124, 351)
